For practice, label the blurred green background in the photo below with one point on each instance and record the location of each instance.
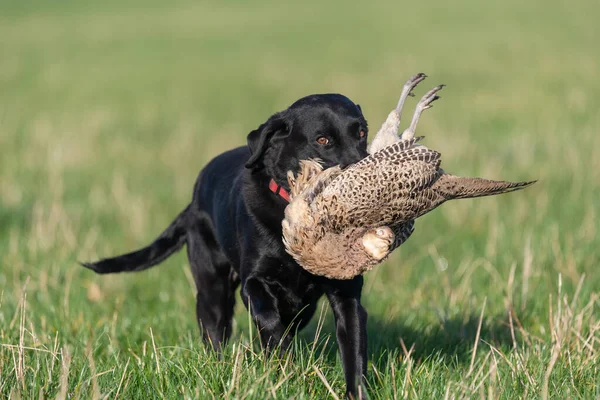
(108, 110)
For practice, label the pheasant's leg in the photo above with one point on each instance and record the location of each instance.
(423, 105)
(407, 91)
(388, 133)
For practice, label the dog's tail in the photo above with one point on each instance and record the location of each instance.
(170, 241)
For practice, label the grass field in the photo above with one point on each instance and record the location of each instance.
(108, 110)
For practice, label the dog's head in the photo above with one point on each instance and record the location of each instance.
(329, 127)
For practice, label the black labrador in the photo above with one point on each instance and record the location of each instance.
(232, 230)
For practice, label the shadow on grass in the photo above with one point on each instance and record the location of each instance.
(451, 340)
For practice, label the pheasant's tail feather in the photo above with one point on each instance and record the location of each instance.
(455, 187)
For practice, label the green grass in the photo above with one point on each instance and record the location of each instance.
(108, 110)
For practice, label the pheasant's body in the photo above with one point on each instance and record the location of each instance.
(390, 189)
(340, 224)
(396, 185)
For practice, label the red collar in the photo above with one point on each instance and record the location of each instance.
(275, 188)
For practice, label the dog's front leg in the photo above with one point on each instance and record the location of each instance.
(261, 303)
(351, 332)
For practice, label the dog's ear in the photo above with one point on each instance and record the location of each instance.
(359, 109)
(258, 139)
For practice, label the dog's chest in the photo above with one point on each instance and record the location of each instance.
(294, 286)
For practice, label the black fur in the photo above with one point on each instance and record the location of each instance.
(232, 230)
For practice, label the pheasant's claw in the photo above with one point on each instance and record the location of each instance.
(429, 98)
(429, 104)
(413, 82)
(424, 104)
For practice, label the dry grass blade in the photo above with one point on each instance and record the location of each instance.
(477, 339)
(236, 371)
(122, 379)
(409, 361)
(64, 374)
(324, 380)
(94, 378)
(155, 352)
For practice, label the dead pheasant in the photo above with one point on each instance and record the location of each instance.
(340, 224)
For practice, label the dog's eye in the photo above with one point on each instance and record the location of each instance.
(361, 134)
(322, 140)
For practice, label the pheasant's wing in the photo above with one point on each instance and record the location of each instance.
(394, 148)
(383, 188)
